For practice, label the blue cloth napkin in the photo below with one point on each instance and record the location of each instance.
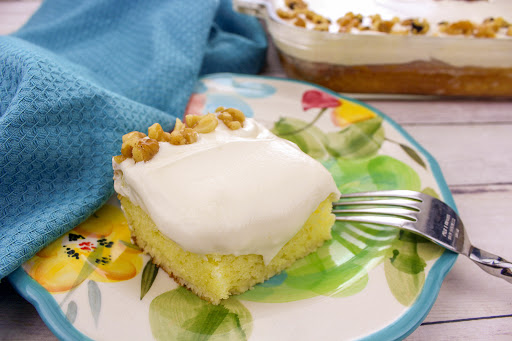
(78, 76)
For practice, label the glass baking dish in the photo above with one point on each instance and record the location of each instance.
(386, 63)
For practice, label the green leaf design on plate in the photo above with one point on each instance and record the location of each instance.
(71, 312)
(148, 277)
(429, 250)
(358, 140)
(94, 294)
(405, 287)
(413, 154)
(404, 270)
(311, 140)
(372, 174)
(357, 285)
(130, 245)
(405, 254)
(180, 315)
(389, 173)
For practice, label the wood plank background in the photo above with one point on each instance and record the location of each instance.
(472, 142)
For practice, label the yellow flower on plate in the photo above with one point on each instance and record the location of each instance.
(99, 249)
(350, 112)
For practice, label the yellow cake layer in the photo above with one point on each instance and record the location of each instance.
(214, 277)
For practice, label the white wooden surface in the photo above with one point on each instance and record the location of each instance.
(472, 142)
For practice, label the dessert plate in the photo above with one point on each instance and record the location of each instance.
(368, 282)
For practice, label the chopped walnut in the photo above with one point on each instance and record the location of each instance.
(129, 141)
(232, 118)
(499, 22)
(182, 135)
(310, 15)
(296, 4)
(185, 136)
(190, 135)
(133, 135)
(349, 21)
(485, 31)
(192, 120)
(138, 146)
(157, 133)
(145, 149)
(206, 124)
(464, 27)
(286, 14)
(319, 20)
(178, 126)
(407, 22)
(321, 27)
(177, 138)
(376, 20)
(419, 27)
(300, 22)
(385, 26)
(119, 158)
(349, 18)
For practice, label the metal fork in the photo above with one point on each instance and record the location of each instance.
(423, 215)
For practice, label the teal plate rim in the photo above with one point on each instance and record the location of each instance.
(54, 318)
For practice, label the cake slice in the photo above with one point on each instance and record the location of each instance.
(221, 203)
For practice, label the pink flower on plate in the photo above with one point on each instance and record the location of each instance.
(319, 99)
(196, 104)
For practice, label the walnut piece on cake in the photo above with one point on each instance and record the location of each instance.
(232, 118)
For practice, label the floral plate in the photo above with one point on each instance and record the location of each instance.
(368, 282)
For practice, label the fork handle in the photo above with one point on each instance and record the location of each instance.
(491, 263)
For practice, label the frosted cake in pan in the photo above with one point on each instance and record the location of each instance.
(434, 47)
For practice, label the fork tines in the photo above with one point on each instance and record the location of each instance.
(392, 208)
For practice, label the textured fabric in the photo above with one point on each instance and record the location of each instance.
(78, 76)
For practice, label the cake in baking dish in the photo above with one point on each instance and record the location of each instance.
(429, 47)
(221, 203)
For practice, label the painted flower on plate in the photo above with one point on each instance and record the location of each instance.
(344, 112)
(196, 104)
(318, 99)
(99, 249)
(349, 112)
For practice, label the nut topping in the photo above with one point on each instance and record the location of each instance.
(140, 147)
(298, 13)
(206, 124)
(145, 149)
(182, 135)
(157, 133)
(232, 118)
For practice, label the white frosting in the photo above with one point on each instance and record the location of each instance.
(367, 47)
(232, 192)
